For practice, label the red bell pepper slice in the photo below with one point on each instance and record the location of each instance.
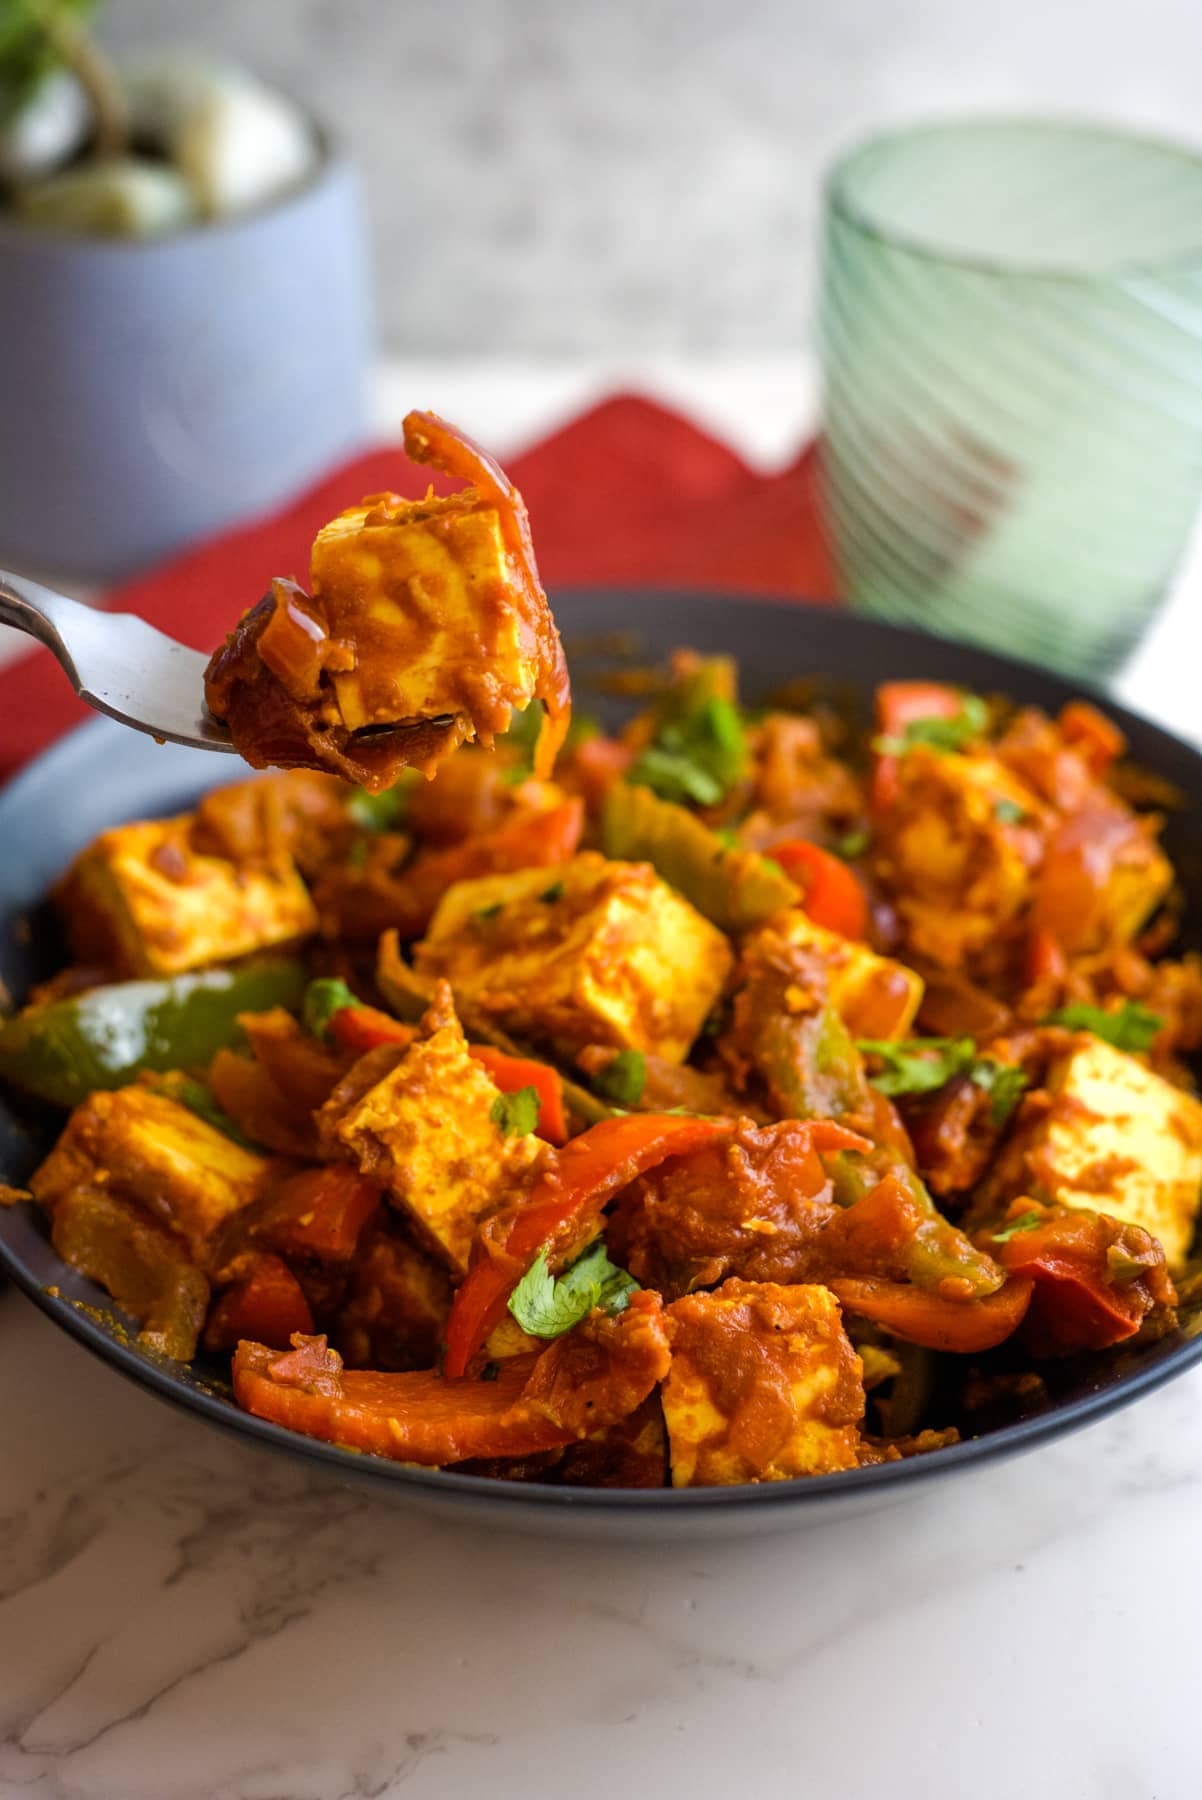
(902, 703)
(1045, 960)
(318, 1213)
(1096, 739)
(1077, 1305)
(363, 1028)
(267, 1306)
(562, 1205)
(831, 893)
(583, 1382)
(512, 1073)
(926, 1318)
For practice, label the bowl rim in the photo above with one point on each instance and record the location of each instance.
(462, 1490)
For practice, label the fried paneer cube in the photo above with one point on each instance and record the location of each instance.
(143, 900)
(764, 1385)
(150, 1149)
(957, 849)
(587, 952)
(873, 995)
(420, 587)
(426, 1131)
(426, 619)
(1116, 1139)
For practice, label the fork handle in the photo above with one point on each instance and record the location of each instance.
(41, 613)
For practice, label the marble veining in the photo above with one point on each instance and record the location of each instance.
(182, 1616)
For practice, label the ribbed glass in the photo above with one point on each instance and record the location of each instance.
(1012, 348)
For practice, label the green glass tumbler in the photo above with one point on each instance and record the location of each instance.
(1011, 328)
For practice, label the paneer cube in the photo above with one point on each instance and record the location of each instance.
(426, 1131)
(587, 952)
(150, 1149)
(873, 995)
(764, 1385)
(423, 590)
(957, 849)
(1117, 1139)
(141, 900)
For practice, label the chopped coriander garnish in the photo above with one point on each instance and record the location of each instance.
(623, 1078)
(550, 895)
(675, 776)
(853, 844)
(942, 735)
(1129, 1027)
(1009, 812)
(516, 1115)
(1025, 1222)
(547, 1307)
(488, 912)
(322, 1000)
(695, 759)
(922, 1065)
(1005, 1083)
(918, 1065)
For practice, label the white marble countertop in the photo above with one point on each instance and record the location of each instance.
(186, 1618)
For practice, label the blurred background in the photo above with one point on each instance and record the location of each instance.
(551, 177)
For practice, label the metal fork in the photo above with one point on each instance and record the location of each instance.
(118, 663)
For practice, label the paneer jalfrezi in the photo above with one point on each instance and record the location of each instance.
(425, 625)
(744, 1098)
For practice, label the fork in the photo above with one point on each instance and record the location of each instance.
(118, 663)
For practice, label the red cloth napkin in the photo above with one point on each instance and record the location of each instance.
(628, 494)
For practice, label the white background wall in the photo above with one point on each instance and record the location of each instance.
(556, 176)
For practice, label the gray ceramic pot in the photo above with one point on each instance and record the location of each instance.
(153, 392)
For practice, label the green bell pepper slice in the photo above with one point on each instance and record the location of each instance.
(733, 889)
(68, 1049)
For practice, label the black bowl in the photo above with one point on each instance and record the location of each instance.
(102, 774)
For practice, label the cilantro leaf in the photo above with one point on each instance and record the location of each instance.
(322, 1000)
(1130, 1027)
(1025, 1222)
(623, 1078)
(918, 1065)
(1009, 812)
(1005, 1083)
(516, 1115)
(853, 844)
(550, 895)
(488, 912)
(941, 735)
(696, 758)
(922, 1065)
(546, 1307)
